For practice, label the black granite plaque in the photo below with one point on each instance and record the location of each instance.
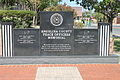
(26, 42)
(56, 20)
(86, 41)
(56, 33)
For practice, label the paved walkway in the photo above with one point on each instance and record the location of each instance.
(60, 72)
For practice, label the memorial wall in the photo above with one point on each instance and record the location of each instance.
(56, 37)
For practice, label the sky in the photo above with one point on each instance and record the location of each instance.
(73, 3)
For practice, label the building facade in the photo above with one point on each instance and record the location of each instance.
(78, 11)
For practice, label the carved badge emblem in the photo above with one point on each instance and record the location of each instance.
(56, 19)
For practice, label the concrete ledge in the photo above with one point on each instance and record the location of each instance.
(60, 60)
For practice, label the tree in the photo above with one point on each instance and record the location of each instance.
(7, 3)
(38, 5)
(98, 16)
(29, 4)
(61, 8)
(109, 8)
(33, 5)
(87, 14)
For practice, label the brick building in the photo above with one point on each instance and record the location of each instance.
(117, 19)
(78, 10)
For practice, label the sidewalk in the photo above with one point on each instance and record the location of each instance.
(60, 72)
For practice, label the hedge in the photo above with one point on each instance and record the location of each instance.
(117, 44)
(21, 18)
(78, 25)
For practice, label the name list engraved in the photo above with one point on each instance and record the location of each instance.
(26, 38)
(56, 47)
(86, 38)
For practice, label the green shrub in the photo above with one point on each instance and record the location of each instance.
(21, 18)
(117, 45)
(78, 25)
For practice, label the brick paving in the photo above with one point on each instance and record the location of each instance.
(15, 72)
(87, 71)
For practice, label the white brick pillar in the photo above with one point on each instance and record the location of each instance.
(6, 33)
(104, 37)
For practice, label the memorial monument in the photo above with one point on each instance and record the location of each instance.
(56, 42)
(56, 37)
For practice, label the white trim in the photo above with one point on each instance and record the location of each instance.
(100, 40)
(108, 37)
(3, 41)
(8, 40)
(103, 40)
(11, 39)
(105, 44)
